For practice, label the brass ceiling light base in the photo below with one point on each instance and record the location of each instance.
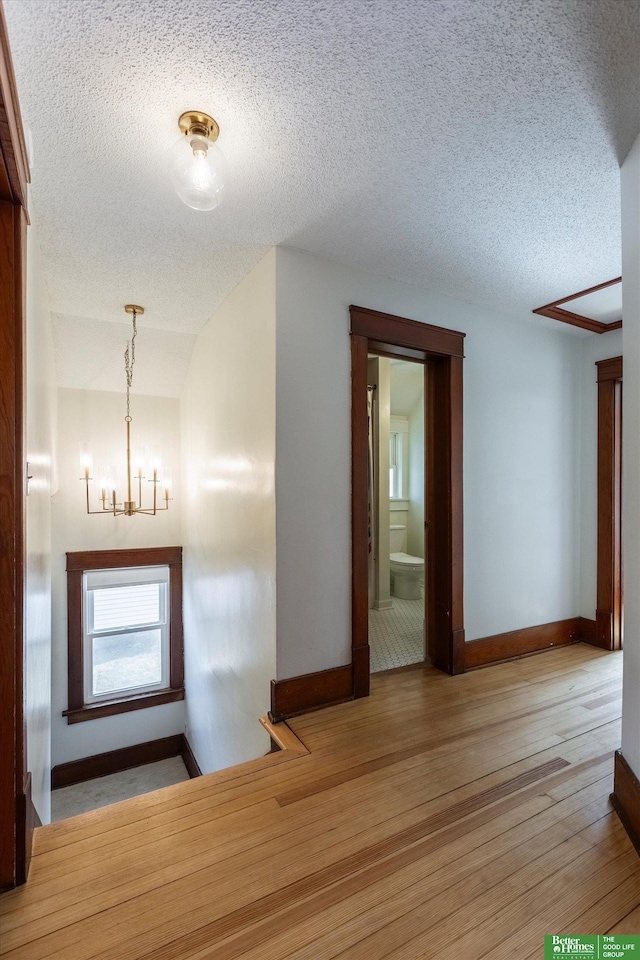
(192, 122)
(133, 308)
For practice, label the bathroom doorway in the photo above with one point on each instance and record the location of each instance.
(439, 352)
(396, 408)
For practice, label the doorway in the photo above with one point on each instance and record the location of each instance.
(609, 604)
(17, 814)
(439, 351)
(396, 406)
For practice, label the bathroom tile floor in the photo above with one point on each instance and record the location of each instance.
(396, 635)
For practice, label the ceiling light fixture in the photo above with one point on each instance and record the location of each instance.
(198, 166)
(136, 466)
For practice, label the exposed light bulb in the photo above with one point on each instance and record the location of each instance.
(198, 168)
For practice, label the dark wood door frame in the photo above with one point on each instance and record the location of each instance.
(442, 352)
(609, 588)
(15, 820)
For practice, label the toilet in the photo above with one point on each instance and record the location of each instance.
(406, 571)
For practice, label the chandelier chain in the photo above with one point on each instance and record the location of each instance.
(129, 360)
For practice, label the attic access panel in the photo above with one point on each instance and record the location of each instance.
(598, 309)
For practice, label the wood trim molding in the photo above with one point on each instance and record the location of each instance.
(390, 331)
(288, 747)
(441, 351)
(587, 630)
(555, 311)
(15, 834)
(12, 140)
(609, 369)
(125, 758)
(444, 515)
(359, 517)
(96, 711)
(138, 557)
(521, 643)
(14, 856)
(609, 519)
(189, 759)
(626, 798)
(311, 691)
(77, 563)
(284, 738)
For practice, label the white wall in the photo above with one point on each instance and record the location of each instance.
(228, 436)
(521, 459)
(41, 401)
(593, 348)
(630, 184)
(98, 418)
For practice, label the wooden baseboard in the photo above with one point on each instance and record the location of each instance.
(604, 631)
(114, 761)
(626, 798)
(521, 643)
(311, 691)
(360, 661)
(587, 631)
(189, 759)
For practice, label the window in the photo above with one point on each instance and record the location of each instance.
(398, 458)
(125, 630)
(395, 453)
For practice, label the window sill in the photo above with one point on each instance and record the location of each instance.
(109, 708)
(399, 505)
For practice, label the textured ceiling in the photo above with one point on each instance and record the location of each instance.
(471, 146)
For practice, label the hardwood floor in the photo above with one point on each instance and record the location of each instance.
(451, 817)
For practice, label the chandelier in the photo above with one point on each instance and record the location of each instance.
(136, 473)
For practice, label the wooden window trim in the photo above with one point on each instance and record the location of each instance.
(78, 711)
(609, 571)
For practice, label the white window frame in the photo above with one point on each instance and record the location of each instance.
(399, 429)
(93, 580)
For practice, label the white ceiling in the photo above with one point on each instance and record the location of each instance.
(471, 146)
(407, 386)
(603, 305)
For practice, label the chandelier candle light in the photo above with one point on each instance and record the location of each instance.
(128, 507)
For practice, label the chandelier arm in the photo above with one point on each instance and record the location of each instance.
(91, 512)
